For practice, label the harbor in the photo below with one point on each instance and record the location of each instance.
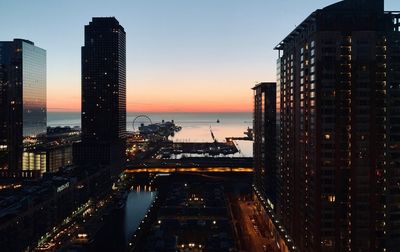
(158, 141)
(156, 153)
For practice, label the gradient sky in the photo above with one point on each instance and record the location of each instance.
(182, 55)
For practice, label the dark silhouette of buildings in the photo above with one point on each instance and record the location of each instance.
(339, 141)
(264, 148)
(104, 81)
(32, 210)
(22, 102)
(103, 94)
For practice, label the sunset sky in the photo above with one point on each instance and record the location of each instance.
(182, 55)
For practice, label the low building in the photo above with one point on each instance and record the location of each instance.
(47, 158)
(33, 209)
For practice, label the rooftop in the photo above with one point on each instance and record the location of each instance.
(369, 6)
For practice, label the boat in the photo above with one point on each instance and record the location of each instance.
(218, 121)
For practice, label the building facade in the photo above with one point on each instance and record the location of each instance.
(339, 129)
(103, 93)
(46, 158)
(22, 100)
(264, 147)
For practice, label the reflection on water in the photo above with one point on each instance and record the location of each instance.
(136, 207)
(121, 224)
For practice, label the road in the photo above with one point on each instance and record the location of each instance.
(254, 225)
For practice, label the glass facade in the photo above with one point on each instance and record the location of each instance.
(22, 100)
(34, 89)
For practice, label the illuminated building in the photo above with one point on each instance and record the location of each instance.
(46, 158)
(103, 94)
(264, 140)
(22, 100)
(339, 96)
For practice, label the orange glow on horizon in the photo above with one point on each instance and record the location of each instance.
(159, 103)
(194, 108)
(199, 96)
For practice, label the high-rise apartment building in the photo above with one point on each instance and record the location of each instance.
(339, 129)
(22, 101)
(103, 93)
(264, 148)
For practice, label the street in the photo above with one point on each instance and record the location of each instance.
(258, 238)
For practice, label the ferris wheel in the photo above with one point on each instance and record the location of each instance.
(140, 116)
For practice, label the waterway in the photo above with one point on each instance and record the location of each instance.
(121, 224)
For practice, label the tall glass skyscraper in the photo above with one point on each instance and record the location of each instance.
(103, 94)
(22, 101)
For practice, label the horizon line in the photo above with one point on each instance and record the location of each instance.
(77, 111)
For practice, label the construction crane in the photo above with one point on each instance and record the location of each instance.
(212, 135)
(238, 148)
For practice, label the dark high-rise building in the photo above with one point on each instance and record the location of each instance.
(22, 101)
(264, 148)
(103, 93)
(104, 81)
(339, 124)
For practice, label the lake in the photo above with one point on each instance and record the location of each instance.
(195, 126)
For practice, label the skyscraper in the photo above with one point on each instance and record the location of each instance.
(339, 140)
(265, 140)
(103, 93)
(22, 101)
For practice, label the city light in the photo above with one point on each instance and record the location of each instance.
(158, 138)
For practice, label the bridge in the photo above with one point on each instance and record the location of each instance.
(192, 165)
(190, 170)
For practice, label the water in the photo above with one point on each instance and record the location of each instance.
(121, 225)
(195, 126)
